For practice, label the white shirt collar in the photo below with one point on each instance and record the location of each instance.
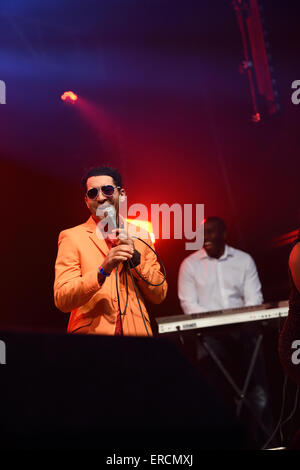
(228, 251)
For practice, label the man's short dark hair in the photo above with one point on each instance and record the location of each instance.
(102, 170)
(217, 220)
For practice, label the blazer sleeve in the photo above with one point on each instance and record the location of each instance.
(71, 288)
(149, 269)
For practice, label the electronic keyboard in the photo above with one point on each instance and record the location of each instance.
(193, 321)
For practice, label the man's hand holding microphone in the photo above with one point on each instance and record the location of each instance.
(122, 249)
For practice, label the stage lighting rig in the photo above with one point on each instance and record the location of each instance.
(257, 57)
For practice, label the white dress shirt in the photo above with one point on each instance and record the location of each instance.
(207, 284)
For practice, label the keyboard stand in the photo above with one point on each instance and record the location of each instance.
(241, 393)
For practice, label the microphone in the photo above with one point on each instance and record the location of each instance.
(107, 223)
(110, 214)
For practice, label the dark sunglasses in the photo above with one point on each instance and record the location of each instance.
(107, 191)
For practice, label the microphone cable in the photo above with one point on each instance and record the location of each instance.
(128, 267)
(277, 427)
(118, 297)
(291, 415)
(159, 259)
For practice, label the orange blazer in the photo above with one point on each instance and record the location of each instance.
(94, 309)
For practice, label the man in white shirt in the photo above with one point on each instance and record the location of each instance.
(220, 277)
(217, 277)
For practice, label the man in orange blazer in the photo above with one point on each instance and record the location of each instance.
(87, 263)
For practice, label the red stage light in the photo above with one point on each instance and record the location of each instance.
(144, 225)
(69, 97)
(256, 117)
(285, 239)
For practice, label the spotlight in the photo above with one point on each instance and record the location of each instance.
(144, 225)
(69, 97)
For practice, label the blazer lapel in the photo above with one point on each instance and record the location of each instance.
(96, 236)
(100, 243)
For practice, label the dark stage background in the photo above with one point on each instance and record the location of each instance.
(166, 104)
